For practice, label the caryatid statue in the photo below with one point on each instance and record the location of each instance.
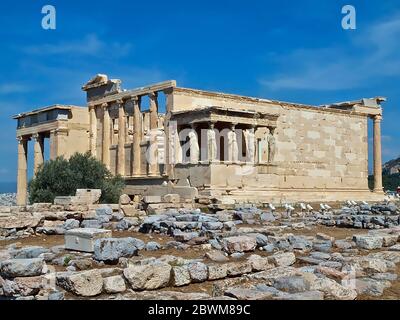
(271, 145)
(233, 150)
(194, 147)
(212, 143)
(250, 144)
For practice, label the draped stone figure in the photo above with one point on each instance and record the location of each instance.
(177, 148)
(212, 143)
(233, 150)
(250, 144)
(271, 145)
(194, 147)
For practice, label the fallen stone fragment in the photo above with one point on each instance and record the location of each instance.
(85, 284)
(28, 252)
(181, 276)
(22, 267)
(247, 294)
(283, 259)
(368, 242)
(111, 249)
(148, 277)
(239, 244)
(198, 271)
(114, 284)
(217, 271)
(217, 256)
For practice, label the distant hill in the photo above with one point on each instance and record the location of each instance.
(391, 167)
(390, 175)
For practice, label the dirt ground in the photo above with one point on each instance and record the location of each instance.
(392, 293)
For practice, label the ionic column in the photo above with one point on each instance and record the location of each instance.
(93, 130)
(377, 154)
(136, 137)
(121, 138)
(22, 171)
(106, 136)
(38, 157)
(153, 165)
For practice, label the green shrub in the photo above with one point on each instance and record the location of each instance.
(61, 177)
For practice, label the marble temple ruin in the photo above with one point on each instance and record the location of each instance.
(165, 139)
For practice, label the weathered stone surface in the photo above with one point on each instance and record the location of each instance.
(148, 277)
(111, 249)
(22, 267)
(259, 263)
(292, 284)
(368, 242)
(216, 255)
(241, 293)
(28, 252)
(85, 284)
(152, 246)
(239, 268)
(307, 295)
(71, 224)
(29, 286)
(114, 284)
(333, 290)
(124, 199)
(217, 271)
(19, 221)
(371, 287)
(181, 276)
(198, 271)
(283, 259)
(239, 244)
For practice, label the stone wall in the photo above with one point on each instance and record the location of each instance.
(319, 150)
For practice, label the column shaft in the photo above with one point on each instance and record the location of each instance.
(106, 136)
(153, 158)
(121, 138)
(136, 168)
(93, 131)
(38, 152)
(22, 178)
(377, 155)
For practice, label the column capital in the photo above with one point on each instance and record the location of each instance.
(120, 102)
(104, 105)
(36, 136)
(378, 117)
(152, 95)
(134, 99)
(22, 139)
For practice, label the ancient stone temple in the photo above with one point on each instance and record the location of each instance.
(165, 139)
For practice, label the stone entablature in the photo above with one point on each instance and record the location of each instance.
(218, 143)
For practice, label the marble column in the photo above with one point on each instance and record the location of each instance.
(38, 158)
(106, 135)
(136, 168)
(377, 154)
(22, 178)
(93, 131)
(121, 138)
(153, 154)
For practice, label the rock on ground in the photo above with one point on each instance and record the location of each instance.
(85, 284)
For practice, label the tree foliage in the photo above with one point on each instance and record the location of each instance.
(390, 181)
(61, 177)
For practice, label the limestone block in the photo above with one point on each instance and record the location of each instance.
(83, 239)
(172, 198)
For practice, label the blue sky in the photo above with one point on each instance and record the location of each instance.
(287, 50)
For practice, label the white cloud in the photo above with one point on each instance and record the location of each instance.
(371, 54)
(90, 45)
